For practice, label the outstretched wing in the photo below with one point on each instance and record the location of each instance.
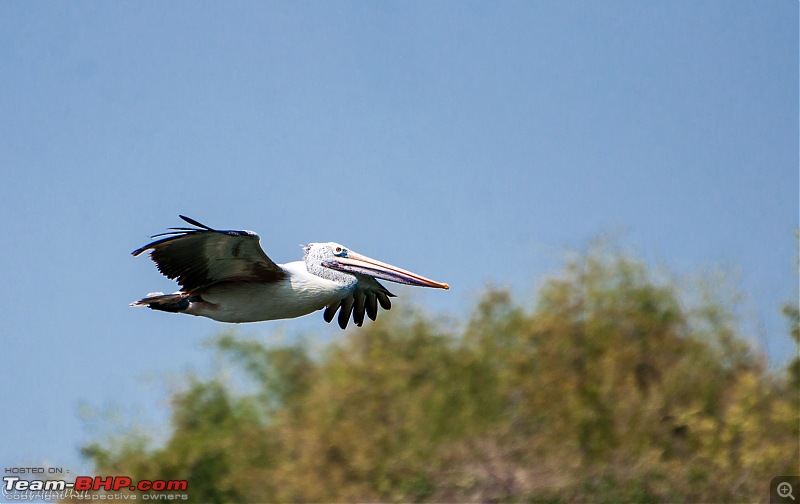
(365, 299)
(201, 256)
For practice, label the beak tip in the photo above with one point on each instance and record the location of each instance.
(446, 286)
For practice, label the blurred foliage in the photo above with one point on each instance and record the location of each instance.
(612, 388)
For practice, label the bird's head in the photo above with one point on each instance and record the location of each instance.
(338, 258)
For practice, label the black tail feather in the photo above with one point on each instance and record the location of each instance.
(173, 303)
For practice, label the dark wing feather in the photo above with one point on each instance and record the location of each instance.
(345, 311)
(359, 307)
(202, 256)
(365, 299)
(330, 311)
(372, 307)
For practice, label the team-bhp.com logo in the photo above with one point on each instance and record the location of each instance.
(16, 488)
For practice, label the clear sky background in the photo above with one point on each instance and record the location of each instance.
(471, 142)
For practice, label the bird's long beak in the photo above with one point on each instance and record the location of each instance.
(357, 263)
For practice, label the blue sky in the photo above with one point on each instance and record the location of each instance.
(471, 142)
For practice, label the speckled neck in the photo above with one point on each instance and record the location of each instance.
(315, 256)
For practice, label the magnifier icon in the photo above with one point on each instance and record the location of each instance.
(785, 490)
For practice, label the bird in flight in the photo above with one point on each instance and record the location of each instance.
(226, 276)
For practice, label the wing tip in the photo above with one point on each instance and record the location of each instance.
(139, 250)
(194, 222)
(174, 232)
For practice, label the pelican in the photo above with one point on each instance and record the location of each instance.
(226, 276)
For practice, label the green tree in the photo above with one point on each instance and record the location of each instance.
(612, 387)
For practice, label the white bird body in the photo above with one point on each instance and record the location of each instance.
(300, 293)
(226, 276)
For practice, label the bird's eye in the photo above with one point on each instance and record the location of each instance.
(338, 250)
